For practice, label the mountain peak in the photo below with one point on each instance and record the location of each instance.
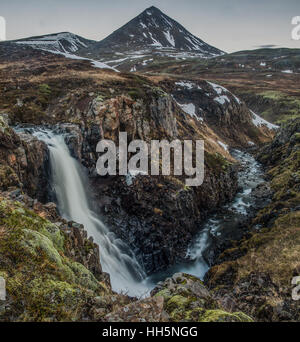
(154, 30)
(152, 9)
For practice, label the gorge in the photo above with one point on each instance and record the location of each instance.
(71, 190)
(76, 245)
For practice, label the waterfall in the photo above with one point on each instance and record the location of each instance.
(70, 186)
(127, 276)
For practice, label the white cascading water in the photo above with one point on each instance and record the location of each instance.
(69, 185)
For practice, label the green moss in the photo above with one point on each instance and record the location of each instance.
(281, 107)
(100, 98)
(216, 162)
(8, 177)
(42, 282)
(178, 303)
(184, 306)
(45, 90)
(83, 277)
(48, 299)
(178, 307)
(165, 293)
(4, 128)
(222, 316)
(136, 93)
(159, 92)
(274, 95)
(34, 242)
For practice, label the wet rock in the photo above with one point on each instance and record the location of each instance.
(263, 194)
(147, 310)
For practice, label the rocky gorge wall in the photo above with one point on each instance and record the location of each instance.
(150, 212)
(255, 274)
(24, 162)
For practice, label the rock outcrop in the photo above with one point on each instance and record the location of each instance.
(52, 270)
(187, 299)
(24, 162)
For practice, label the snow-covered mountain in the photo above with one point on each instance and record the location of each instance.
(153, 30)
(65, 42)
(148, 38)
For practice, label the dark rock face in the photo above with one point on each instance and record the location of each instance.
(258, 296)
(147, 310)
(157, 216)
(153, 29)
(83, 250)
(221, 110)
(24, 162)
(73, 138)
(289, 133)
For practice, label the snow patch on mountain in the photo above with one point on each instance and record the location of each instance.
(190, 109)
(96, 64)
(217, 88)
(62, 42)
(195, 44)
(188, 85)
(220, 91)
(258, 122)
(224, 146)
(222, 99)
(170, 38)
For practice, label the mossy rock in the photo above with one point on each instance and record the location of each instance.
(42, 283)
(186, 299)
(222, 316)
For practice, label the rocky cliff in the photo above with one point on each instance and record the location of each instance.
(24, 162)
(256, 274)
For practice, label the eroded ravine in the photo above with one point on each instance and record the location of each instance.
(222, 226)
(70, 187)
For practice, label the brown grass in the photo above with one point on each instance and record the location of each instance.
(275, 252)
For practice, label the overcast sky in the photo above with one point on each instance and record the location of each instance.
(229, 25)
